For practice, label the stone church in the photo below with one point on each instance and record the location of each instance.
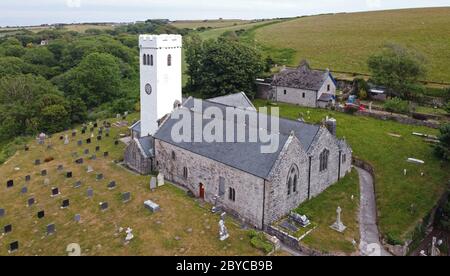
(257, 187)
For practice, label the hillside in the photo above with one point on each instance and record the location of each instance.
(343, 42)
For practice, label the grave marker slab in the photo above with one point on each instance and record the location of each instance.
(153, 183)
(83, 131)
(37, 162)
(99, 138)
(55, 192)
(160, 180)
(103, 206)
(90, 192)
(24, 190)
(79, 161)
(26, 148)
(88, 140)
(93, 157)
(28, 178)
(74, 133)
(41, 214)
(126, 197)
(44, 173)
(13, 247)
(7, 229)
(97, 148)
(150, 205)
(2, 212)
(31, 202)
(69, 174)
(89, 169)
(80, 143)
(77, 218)
(105, 154)
(51, 229)
(86, 151)
(46, 182)
(116, 142)
(65, 204)
(60, 167)
(95, 124)
(99, 176)
(112, 185)
(77, 184)
(10, 184)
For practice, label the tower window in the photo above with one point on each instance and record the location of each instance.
(169, 60)
(151, 60)
(145, 59)
(232, 194)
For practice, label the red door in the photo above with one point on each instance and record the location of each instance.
(202, 191)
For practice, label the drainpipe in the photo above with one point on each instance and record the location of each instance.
(264, 205)
(339, 167)
(309, 178)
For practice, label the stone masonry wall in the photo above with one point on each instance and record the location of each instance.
(135, 161)
(249, 188)
(295, 96)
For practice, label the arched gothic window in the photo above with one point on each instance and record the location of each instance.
(151, 60)
(324, 160)
(292, 181)
(169, 60)
(145, 59)
(185, 173)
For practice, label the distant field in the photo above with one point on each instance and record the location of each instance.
(194, 24)
(215, 33)
(75, 27)
(343, 42)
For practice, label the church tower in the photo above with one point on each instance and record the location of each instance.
(161, 84)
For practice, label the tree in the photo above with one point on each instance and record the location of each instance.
(442, 150)
(225, 67)
(12, 66)
(29, 104)
(12, 48)
(399, 69)
(40, 56)
(193, 53)
(95, 80)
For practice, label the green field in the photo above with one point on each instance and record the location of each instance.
(343, 42)
(370, 141)
(194, 24)
(173, 231)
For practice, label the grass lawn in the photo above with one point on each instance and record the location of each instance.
(194, 24)
(395, 192)
(97, 234)
(322, 211)
(343, 42)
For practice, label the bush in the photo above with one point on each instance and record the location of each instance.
(397, 105)
(393, 239)
(351, 109)
(447, 107)
(259, 241)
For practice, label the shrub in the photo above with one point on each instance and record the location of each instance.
(393, 239)
(447, 107)
(351, 109)
(259, 241)
(397, 105)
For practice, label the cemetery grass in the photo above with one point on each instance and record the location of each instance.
(395, 193)
(343, 42)
(322, 211)
(97, 234)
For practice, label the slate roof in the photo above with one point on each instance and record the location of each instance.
(238, 100)
(302, 77)
(245, 156)
(136, 127)
(147, 145)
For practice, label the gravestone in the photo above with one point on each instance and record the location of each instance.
(93, 157)
(89, 169)
(31, 202)
(77, 184)
(65, 204)
(338, 225)
(153, 207)
(95, 124)
(77, 218)
(55, 192)
(7, 229)
(41, 214)
(51, 229)
(91, 129)
(86, 151)
(160, 180)
(43, 172)
(99, 176)
(2, 212)
(26, 148)
(13, 247)
(126, 197)
(60, 168)
(74, 133)
(46, 182)
(116, 142)
(112, 185)
(9, 184)
(80, 143)
(74, 154)
(90, 192)
(88, 140)
(69, 174)
(79, 161)
(103, 206)
(24, 190)
(28, 178)
(37, 162)
(153, 183)
(66, 140)
(97, 148)
(288, 226)
(83, 131)
(105, 154)
(99, 138)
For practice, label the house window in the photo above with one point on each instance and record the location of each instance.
(328, 88)
(292, 182)
(145, 59)
(174, 156)
(324, 160)
(285, 92)
(185, 173)
(304, 95)
(169, 60)
(232, 194)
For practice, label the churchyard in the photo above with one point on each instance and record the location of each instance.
(402, 200)
(54, 202)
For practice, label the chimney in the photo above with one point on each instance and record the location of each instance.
(331, 125)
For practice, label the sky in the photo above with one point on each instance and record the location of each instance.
(36, 12)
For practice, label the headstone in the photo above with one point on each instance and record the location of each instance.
(93, 157)
(46, 182)
(55, 192)
(160, 180)
(116, 142)
(41, 214)
(99, 138)
(83, 131)
(13, 247)
(153, 183)
(105, 154)
(51, 229)
(88, 140)
(90, 192)
(89, 169)
(74, 154)
(112, 185)
(95, 124)
(79, 161)
(24, 190)
(302, 220)
(99, 176)
(74, 133)
(31, 202)
(130, 235)
(103, 206)
(77, 218)
(43, 172)
(86, 151)
(2, 212)
(77, 184)
(65, 204)
(37, 162)
(7, 229)
(223, 231)
(91, 129)
(60, 167)
(9, 184)
(26, 148)
(69, 174)
(97, 148)
(80, 143)
(66, 140)
(288, 226)
(28, 178)
(126, 197)
(338, 225)
(153, 207)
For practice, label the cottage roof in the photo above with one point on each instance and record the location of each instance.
(302, 77)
